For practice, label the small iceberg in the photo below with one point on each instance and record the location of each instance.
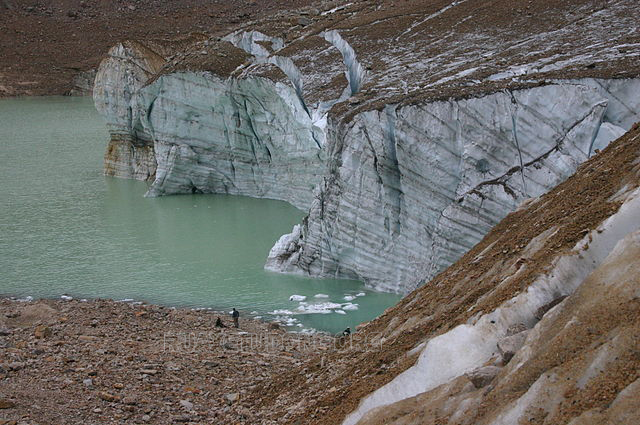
(349, 306)
(360, 294)
(318, 308)
(340, 311)
(321, 296)
(349, 298)
(65, 297)
(297, 298)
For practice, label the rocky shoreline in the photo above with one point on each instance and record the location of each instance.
(103, 361)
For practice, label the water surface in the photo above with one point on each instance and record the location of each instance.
(67, 229)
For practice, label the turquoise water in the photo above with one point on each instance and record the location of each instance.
(67, 229)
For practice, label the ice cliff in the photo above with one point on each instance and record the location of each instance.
(404, 157)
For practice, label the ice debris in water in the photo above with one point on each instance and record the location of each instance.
(349, 298)
(340, 311)
(287, 321)
(280, 312)
(360, 294)
(297, 298)
(65, 297)
(321, 296)
(318, 308)
(349, 306)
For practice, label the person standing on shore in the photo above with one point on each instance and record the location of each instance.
(236, 315)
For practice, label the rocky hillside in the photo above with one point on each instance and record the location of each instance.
(53, 47)
(537, 324)
(405, 130)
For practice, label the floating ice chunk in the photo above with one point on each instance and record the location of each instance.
(26, 299)
(65, 298)
(287, 320)
(297, 298)
(349, 298)
(350, 306)
(340, 311)
(360, 294)
(318, 308)
(321, 296)
(125, 300)
(285, 312)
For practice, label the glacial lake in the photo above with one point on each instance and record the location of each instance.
(67, 229)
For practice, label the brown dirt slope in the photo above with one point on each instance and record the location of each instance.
(323, 391)
(415, 49)
(584, 355)
(45, 43)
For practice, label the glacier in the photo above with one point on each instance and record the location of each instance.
(394, 192)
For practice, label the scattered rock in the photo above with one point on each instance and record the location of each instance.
(129, 400)
(274, 326)
(483, 376)
(509, 345)
(108, 396)
(15, 365)
(88, 382)
(186, 404)
(6, 404)
(171, 366)
(231, 397)
(193, 390)
(88, 338)
(148, 371)
(42, 331)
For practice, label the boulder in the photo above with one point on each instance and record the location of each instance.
(483, 376)
(231, 397)
(42, 331)
(508, 346)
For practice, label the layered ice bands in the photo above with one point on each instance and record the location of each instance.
(243, 137)
(395, 192)
(410, 189)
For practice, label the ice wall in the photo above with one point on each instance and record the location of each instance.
(409, 189)
(247, 137)
(393, 194)
(127, 67)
